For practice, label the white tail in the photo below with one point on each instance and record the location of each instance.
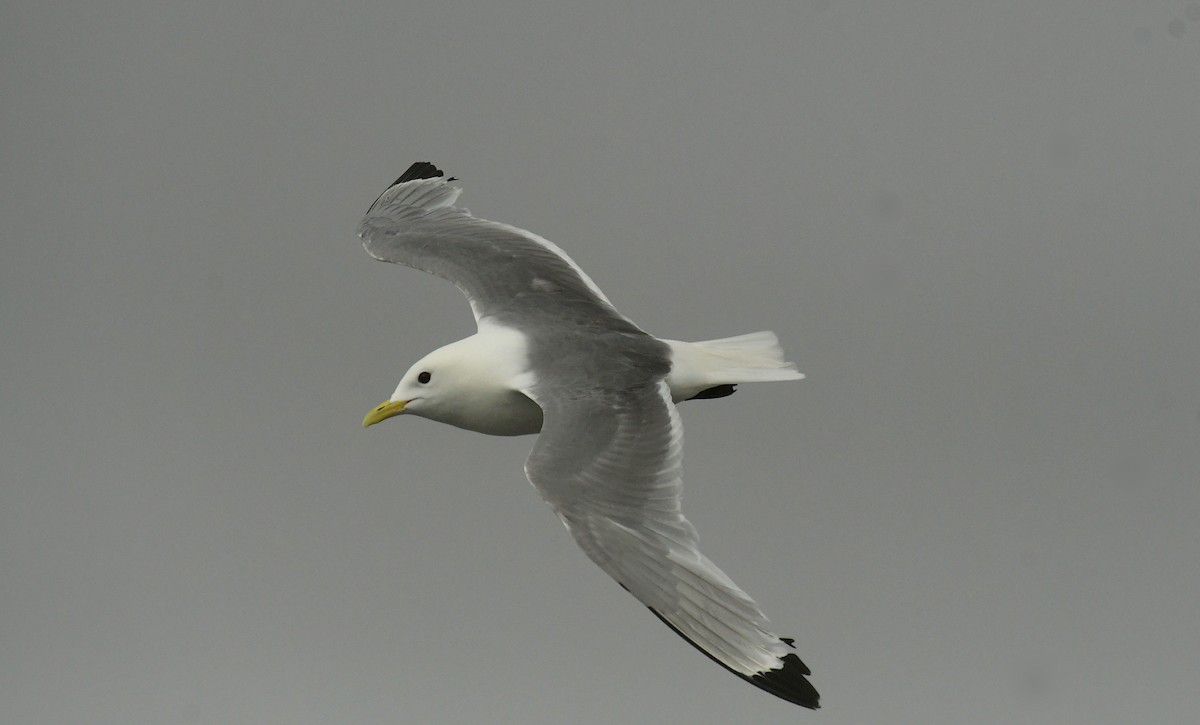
(752, 358)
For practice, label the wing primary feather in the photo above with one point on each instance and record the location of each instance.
(416, 172)
(786, 682)
(419, 170)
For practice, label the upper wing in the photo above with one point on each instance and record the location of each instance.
(610, 466)
(500, 268)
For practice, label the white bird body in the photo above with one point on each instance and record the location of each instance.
(553, 356)
(479, 386)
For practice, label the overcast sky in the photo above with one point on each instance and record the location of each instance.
(975, 226)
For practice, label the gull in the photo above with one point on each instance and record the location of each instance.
(553, 356)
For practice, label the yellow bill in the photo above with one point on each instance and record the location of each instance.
(383, 411)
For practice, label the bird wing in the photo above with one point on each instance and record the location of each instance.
(610, 464)
(501, 269)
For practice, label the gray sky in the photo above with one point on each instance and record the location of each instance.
(974, 225)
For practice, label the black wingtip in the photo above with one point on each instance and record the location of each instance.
(786, 682)
(419, 170)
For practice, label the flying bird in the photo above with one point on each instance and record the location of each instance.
(553, 356)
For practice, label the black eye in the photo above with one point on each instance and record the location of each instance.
(424, 378)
